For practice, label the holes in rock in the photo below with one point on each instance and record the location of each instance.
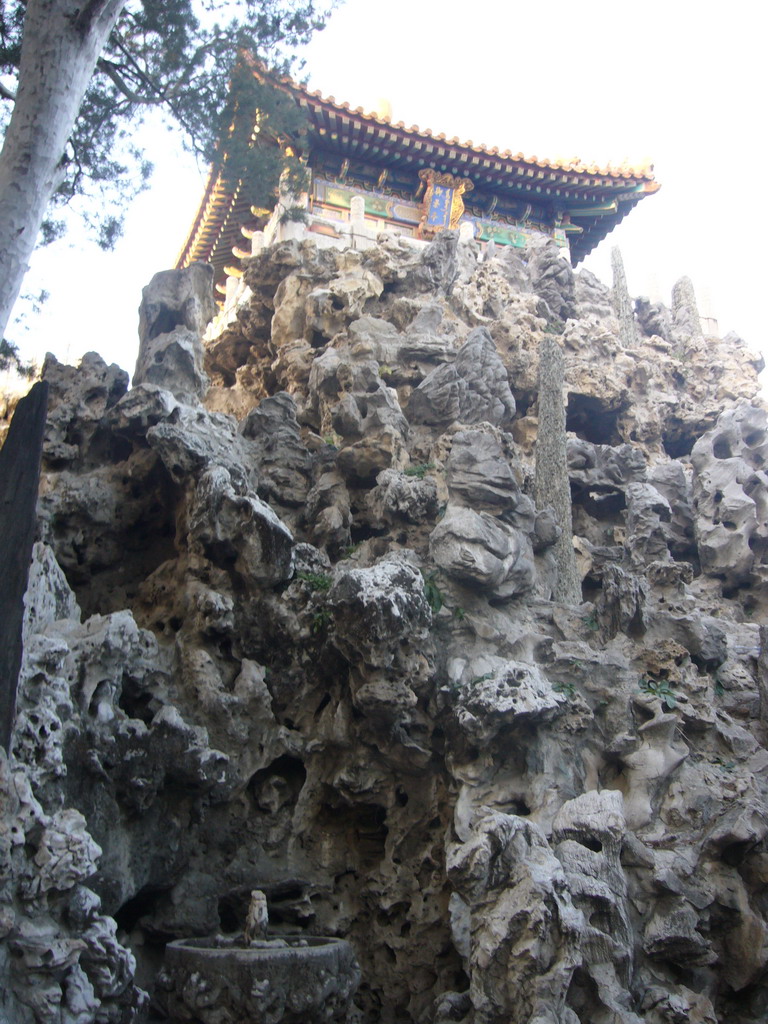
(583, 997)
(591, 843)
(165, 321)
(107, 447)
(602, 920)
(106, 562)
(394, 913)
(734, 854)
(601, 503)
(317, 340)
(754, 438)
(322, 705)
(590, 420)
(230, 917)
(590, 588)
(401, 796)
(101, 695)
(520, 807)
(360, 828)
(643, 713)
(290, 904)
(363, 531)
(523, 402)
(679, 438)
(279, 784)
(141, 905)
(721, 448)
(753, 486)
(137, 704)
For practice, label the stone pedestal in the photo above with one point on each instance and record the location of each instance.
(279, 981)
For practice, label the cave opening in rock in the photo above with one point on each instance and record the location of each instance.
(591, 843)
(279, 784)
(142, 905)
(166, 321)
(591, 420)
(678, 438)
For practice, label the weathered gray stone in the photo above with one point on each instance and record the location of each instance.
(473, 389)
(552, 489)
(400, 497)
(478, 550)
(622, 302)
(478, 475)
(312, 980)
(78, 400)
(525, 930)
(378, 608)
(552, 278)
(176, 307)
(654, 318)
(283, 460)
(317, 661)
(239, 530)
(730, 491)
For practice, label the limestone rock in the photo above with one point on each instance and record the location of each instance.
(552, 279)
(472, 389)
(479, 550)
(515, 888)
(478, 475)
(378, 608)
(513, 694)
(175, 310)
(400, 497)
(77, 403)
(730, 489)
(284, 462)
(177, 298)
(239, 530)
(300, 639)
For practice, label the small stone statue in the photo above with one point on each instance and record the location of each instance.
(257, 918)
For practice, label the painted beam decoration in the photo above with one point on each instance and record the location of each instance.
(443, 205)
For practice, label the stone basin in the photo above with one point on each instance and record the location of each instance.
(294, 980)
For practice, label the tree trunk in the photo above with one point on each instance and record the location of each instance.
(61, 44)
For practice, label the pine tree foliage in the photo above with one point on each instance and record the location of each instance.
(193, 60)
(11, 360)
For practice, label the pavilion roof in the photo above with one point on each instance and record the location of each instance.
(594, 197)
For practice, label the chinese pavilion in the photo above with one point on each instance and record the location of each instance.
(369, 175)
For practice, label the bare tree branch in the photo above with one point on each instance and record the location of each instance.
(111, 71)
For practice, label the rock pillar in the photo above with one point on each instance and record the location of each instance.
(622, 303)
(551, 479)
(686, 324)
(19, 478)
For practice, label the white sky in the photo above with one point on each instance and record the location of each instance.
(679, 82)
